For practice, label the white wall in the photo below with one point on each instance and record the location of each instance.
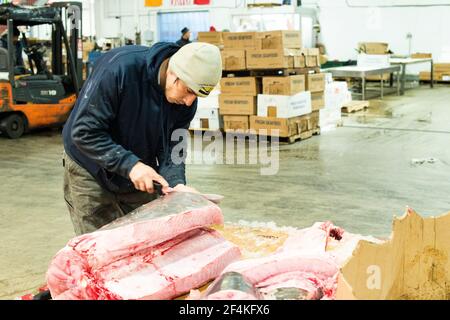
(343, 27)
(134, 15)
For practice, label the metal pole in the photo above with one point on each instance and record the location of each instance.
(71, 60)
(364, 87)
(12, 62)
(432, 74)
(403, 78)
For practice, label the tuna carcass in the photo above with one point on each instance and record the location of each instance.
(159, 251)
(301, 269)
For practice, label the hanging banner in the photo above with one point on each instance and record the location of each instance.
(181, 3)
(175, 3)
(153, 3)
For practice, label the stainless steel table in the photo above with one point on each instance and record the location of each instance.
(363, 72)
(405, 61)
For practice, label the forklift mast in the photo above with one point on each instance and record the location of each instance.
(71, 22)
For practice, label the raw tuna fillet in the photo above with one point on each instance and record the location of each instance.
(159, 251)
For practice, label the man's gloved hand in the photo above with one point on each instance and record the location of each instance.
(143, 176)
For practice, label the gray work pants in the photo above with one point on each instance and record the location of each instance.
(91, 206)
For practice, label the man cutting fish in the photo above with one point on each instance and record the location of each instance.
(117, 139)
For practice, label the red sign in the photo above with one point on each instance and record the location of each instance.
(201, 2)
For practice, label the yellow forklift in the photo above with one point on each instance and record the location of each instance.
(38, 96)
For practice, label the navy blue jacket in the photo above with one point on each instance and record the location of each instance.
(122, 117)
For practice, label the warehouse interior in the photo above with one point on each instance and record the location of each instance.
(371, 145)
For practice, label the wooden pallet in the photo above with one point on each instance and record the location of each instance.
(250, 135)
(295, 138)
(205, 130)
(435, 81)
(282, 140)
(316, 132)
(270, 72)
(354, 106)
(298, 137)
(263, 5)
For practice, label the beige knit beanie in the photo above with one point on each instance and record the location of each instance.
(199, 65)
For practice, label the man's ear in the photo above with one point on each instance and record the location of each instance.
(172, 75)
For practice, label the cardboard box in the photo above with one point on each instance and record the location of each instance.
(287, 86)
(312, 57)
(207, 118)
(211, 101)
(421, 55)
(280, 40)
(425, 75)
(308, 57)
(240, 40)
(411, 264)
(315, 82)
(374, 60)
(441, 68)
(373, 47)
(243, 86)
(317, 101)
(336, 94)
(300, 61)
(88, 46)
(233, 60)
(385, 76)
(237, 105)
(440, 76)
(236, 123)
(314, 119)
(214, 38)
(280, 127)
(329, 119)
(284, 106)
(271, 59)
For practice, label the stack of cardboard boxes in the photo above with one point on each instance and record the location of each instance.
(441, 73)
(287, 102)
(214, 38)
(238, 99)
(238, 102)
(262, 103)
(290, 105)
(374, 54)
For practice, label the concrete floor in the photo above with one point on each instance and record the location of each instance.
(359, 176)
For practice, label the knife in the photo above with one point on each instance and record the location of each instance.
(157, 187)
